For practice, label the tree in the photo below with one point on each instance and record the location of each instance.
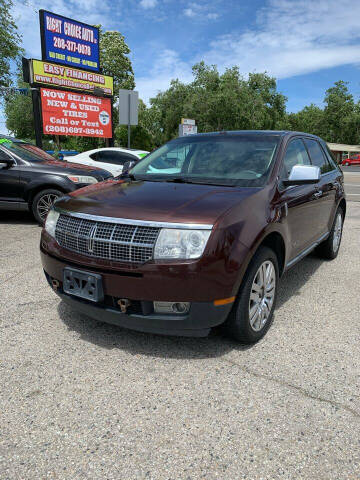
(341, 115)
(114, 60)
(310, 119)
(19, 116)
(9, 42)
(217, 102)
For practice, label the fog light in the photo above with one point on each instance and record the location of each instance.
(171, 307)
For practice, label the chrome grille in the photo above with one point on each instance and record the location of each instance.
(110, 241)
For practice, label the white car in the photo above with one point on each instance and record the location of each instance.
(111, 159)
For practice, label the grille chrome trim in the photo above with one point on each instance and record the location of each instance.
(129, 221)
(126, 243)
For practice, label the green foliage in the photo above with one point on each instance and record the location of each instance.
(218, 102)
(19, 115)
(338, 121)
(114, 60)
(9, 41)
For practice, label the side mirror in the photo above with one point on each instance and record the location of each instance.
(303, 175)
(128, 165)
(5, 160)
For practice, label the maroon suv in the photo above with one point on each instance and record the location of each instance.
(197, 234)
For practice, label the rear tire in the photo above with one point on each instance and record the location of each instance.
(329, 249)
(42, 202)
(252, 313)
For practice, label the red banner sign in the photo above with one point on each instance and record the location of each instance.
(71, 113)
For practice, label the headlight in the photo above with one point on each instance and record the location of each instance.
(179, 243)
(82, 179)
(51, 220)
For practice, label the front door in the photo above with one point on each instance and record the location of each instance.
(326, 188)
(299, 202)
(9, 183)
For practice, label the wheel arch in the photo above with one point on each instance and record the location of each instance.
(342, 205)
(43, 186)
(275, 242)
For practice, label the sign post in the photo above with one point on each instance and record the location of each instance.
(187, 127)
(63, 81)
(75, 114)
(69, 42)
(128, 109)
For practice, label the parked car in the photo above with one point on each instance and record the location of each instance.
(31, 179)
(181, 252)
(353, 160)
(111, 159)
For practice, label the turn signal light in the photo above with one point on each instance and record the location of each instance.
(224, 301)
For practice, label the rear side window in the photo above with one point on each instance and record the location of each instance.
(114, 157)
(330, 156)
(317, 156)
(295, 154)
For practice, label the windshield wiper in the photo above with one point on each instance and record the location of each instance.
(197, 182)
(179, 180)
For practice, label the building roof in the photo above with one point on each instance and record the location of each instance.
(341, 147)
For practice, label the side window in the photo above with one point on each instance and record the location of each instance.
(317, 156)
(329, 155)
(114, 157)
(93, 156)
(295, 154)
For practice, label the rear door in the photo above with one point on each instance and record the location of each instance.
(326, 189)
(299, 201)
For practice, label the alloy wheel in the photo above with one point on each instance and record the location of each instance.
(45, 203)
(262, 295)
(337, 232)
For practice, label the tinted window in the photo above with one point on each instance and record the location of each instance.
(244, 160)
(317, 156)
(116, 158)
(330, 155)
(295, 154)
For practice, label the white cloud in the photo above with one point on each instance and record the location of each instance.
(148, 3)
(289, 38)
(166, 66)
(189, 12)
(200, 12)
(292, 38)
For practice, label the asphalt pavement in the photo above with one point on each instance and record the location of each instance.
(84, 400)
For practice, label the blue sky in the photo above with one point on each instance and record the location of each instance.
(306, 44)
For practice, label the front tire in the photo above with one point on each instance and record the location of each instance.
(253, 310)
(42, 202)
(329, 249)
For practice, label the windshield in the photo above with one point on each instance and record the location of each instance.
(244, 160)
(28, 152)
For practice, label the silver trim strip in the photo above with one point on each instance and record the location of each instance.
(130, 221)
(306, 251)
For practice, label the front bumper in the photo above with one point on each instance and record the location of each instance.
(202, 316)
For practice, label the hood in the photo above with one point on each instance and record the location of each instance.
(57, 166)
(156, 201)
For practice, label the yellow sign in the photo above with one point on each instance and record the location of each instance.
(45, 73)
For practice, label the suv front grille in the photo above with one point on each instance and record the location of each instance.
(110, 241)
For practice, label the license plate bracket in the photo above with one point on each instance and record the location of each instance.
(82, 284)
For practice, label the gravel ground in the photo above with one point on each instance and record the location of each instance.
(85, 400)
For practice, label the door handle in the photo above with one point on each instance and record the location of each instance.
(318, 194)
